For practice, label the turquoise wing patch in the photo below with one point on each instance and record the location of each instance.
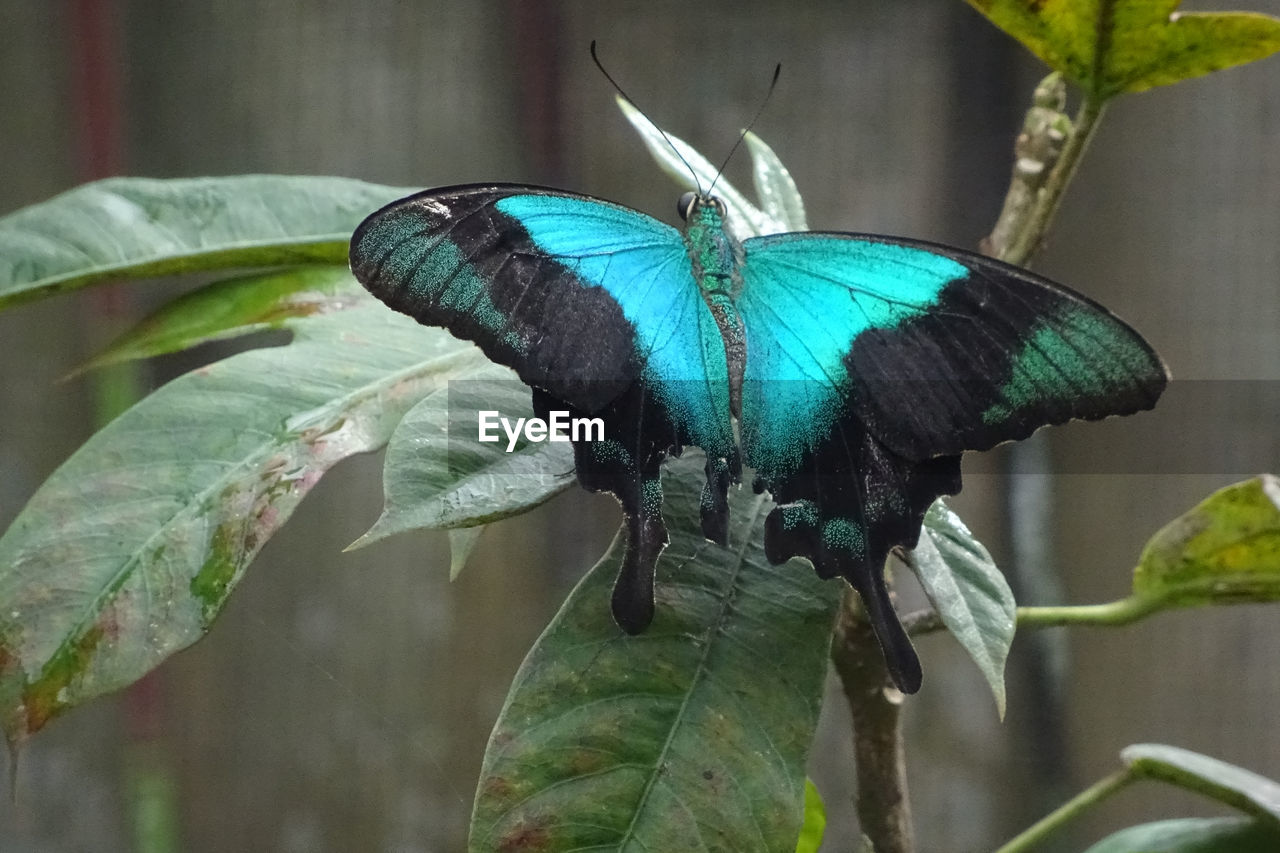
(644, 266)
(805, 298)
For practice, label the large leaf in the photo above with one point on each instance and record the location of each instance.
(971, 596)
(1212, 777)
(136, 227)
(1194, 835)
(690, 736)
(129, 550)
(1225, 550)
(238, 306)
(438, 474)
(1109, 47)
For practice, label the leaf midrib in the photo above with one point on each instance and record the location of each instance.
(157, 264)
(700, 671)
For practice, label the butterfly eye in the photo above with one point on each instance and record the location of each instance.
(685, 205)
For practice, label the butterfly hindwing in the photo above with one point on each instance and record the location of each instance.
(843, 508)
(594, 306)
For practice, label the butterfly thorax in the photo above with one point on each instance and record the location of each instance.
(716, 259)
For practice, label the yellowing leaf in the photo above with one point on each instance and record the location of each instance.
(1109, 47)
(1226, 549)
(815, 820)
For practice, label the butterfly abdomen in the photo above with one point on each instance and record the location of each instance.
(715, 258)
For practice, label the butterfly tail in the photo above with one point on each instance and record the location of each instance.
(899, 655)
(627, 464)
(632, 601)
(847, 525)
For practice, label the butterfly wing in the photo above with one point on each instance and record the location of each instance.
(593, 305)
(872, 363)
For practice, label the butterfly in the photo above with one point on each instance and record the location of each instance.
(857, 367)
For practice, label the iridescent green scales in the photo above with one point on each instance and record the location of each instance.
(1059, 359)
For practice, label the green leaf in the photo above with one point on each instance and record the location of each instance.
(228, 309)
(971, 596)
(437, 473)
(690, 736)
(1239, 788)
(462, 542)
(1109, 47)
(693, 171)
(1225, 550)
(775, 186)
(1194, 835)
(129, 550)
(815, 820)
(139, 227)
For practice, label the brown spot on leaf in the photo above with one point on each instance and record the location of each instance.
(529, 835)
(497, 787)
(109, 624)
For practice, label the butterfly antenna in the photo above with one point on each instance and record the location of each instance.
(630, 100)
(777, 71)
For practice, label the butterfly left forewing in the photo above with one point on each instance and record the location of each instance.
(594, 306)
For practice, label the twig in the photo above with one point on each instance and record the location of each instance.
(884, 811)
(1036, 151)
(1124, 611)
(1053, 821)
(1049, 197)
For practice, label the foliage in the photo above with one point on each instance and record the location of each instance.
(130, 549)
(672, 735)
(1109, 47)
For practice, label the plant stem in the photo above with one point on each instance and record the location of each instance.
(1049, 198)
(1113, 614)
(1037, 149)
(1054, 821)
(884, 810)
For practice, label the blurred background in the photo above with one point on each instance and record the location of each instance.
(342, 702)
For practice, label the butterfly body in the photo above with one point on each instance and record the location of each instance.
(857, 367)
(715, 259)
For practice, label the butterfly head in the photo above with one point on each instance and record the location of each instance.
(692, 204)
